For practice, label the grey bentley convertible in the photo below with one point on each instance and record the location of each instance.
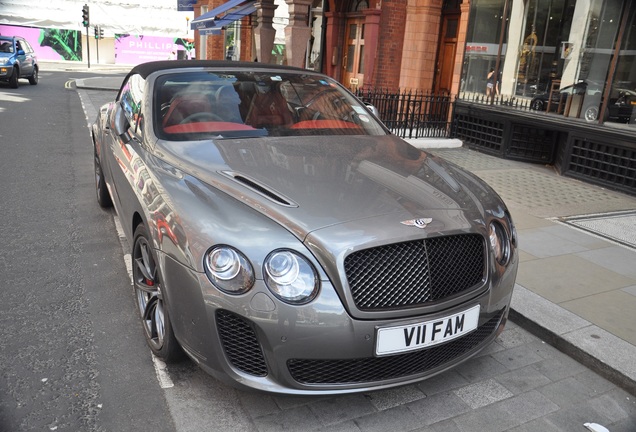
(285, 241)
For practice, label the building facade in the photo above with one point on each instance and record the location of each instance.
(362, 43)
(534, 47)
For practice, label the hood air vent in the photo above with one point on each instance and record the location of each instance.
(260, 189)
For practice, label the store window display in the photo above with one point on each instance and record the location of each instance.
(557, 56)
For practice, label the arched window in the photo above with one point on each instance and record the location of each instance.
(359, 5)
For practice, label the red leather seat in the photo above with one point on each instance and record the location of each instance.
(185, 105)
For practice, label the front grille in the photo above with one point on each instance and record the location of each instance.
(374, 369)
(414, 273)
(240, 343)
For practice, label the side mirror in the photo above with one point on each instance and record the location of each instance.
(21, 52)
(373, 110)
(120, 124)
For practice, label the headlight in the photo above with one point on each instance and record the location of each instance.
(229, 270)
(290, 277)
(499, 243)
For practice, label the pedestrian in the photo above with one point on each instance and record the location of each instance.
(230, 53)
(490, 82)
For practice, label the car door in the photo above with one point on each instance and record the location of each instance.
(26, 58)
(124, 163)
(30, 56)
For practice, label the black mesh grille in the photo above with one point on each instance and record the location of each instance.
(362, 370)
(240, 343)
(412, 273)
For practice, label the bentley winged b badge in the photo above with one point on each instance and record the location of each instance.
(419, 222)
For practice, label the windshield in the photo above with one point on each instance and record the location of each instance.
(6, 46)
(200, 105)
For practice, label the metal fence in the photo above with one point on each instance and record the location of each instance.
(519, 103)
(411, 114)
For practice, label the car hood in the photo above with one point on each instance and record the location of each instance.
(310, 183)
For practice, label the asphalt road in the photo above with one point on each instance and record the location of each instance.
(72, 353)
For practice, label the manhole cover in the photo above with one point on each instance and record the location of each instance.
(619, 227)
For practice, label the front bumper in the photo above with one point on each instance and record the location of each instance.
(6, 72)
(254, 341)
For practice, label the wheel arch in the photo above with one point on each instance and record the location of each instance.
(136, 221)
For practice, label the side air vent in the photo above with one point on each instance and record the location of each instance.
(260, 189)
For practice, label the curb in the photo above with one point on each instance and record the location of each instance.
(434, 143)
(606, 354)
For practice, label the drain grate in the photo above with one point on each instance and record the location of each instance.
(619, 226)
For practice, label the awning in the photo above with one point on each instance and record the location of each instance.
(235, 15)
(207, 20)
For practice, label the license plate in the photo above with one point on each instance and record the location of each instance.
(392, 340)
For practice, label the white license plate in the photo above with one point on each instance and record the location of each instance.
(392, 340)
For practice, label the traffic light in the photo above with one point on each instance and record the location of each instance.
(96, 32)
(85, 16)
(101, 32)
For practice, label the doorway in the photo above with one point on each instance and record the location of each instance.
(353, 54)
(446, 53)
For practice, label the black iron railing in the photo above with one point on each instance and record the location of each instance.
(411, 113)
(519, 103)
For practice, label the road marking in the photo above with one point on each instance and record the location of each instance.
(162, 373)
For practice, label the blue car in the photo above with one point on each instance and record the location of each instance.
(17, 60)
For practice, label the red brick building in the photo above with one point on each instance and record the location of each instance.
(407, 44)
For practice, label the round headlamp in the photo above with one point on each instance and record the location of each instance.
(229, 270)
(499, 243)
(290, 277)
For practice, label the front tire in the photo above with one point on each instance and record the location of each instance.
(103, 197)
(151, 306)
(13, 81)
(33, 79)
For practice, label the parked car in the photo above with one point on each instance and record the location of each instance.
(285, 241)
(17, 60)
(620, 108)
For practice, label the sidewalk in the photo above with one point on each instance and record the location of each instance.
(576, 285)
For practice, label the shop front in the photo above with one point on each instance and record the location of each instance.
(544, 80)
(569, 57)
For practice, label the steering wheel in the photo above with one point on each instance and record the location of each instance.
(201, 117)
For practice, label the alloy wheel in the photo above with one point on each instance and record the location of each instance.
(148, 293)
(591, 113)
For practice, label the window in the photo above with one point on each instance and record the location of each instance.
(549, 47)
(130, 99)
(482, 42)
